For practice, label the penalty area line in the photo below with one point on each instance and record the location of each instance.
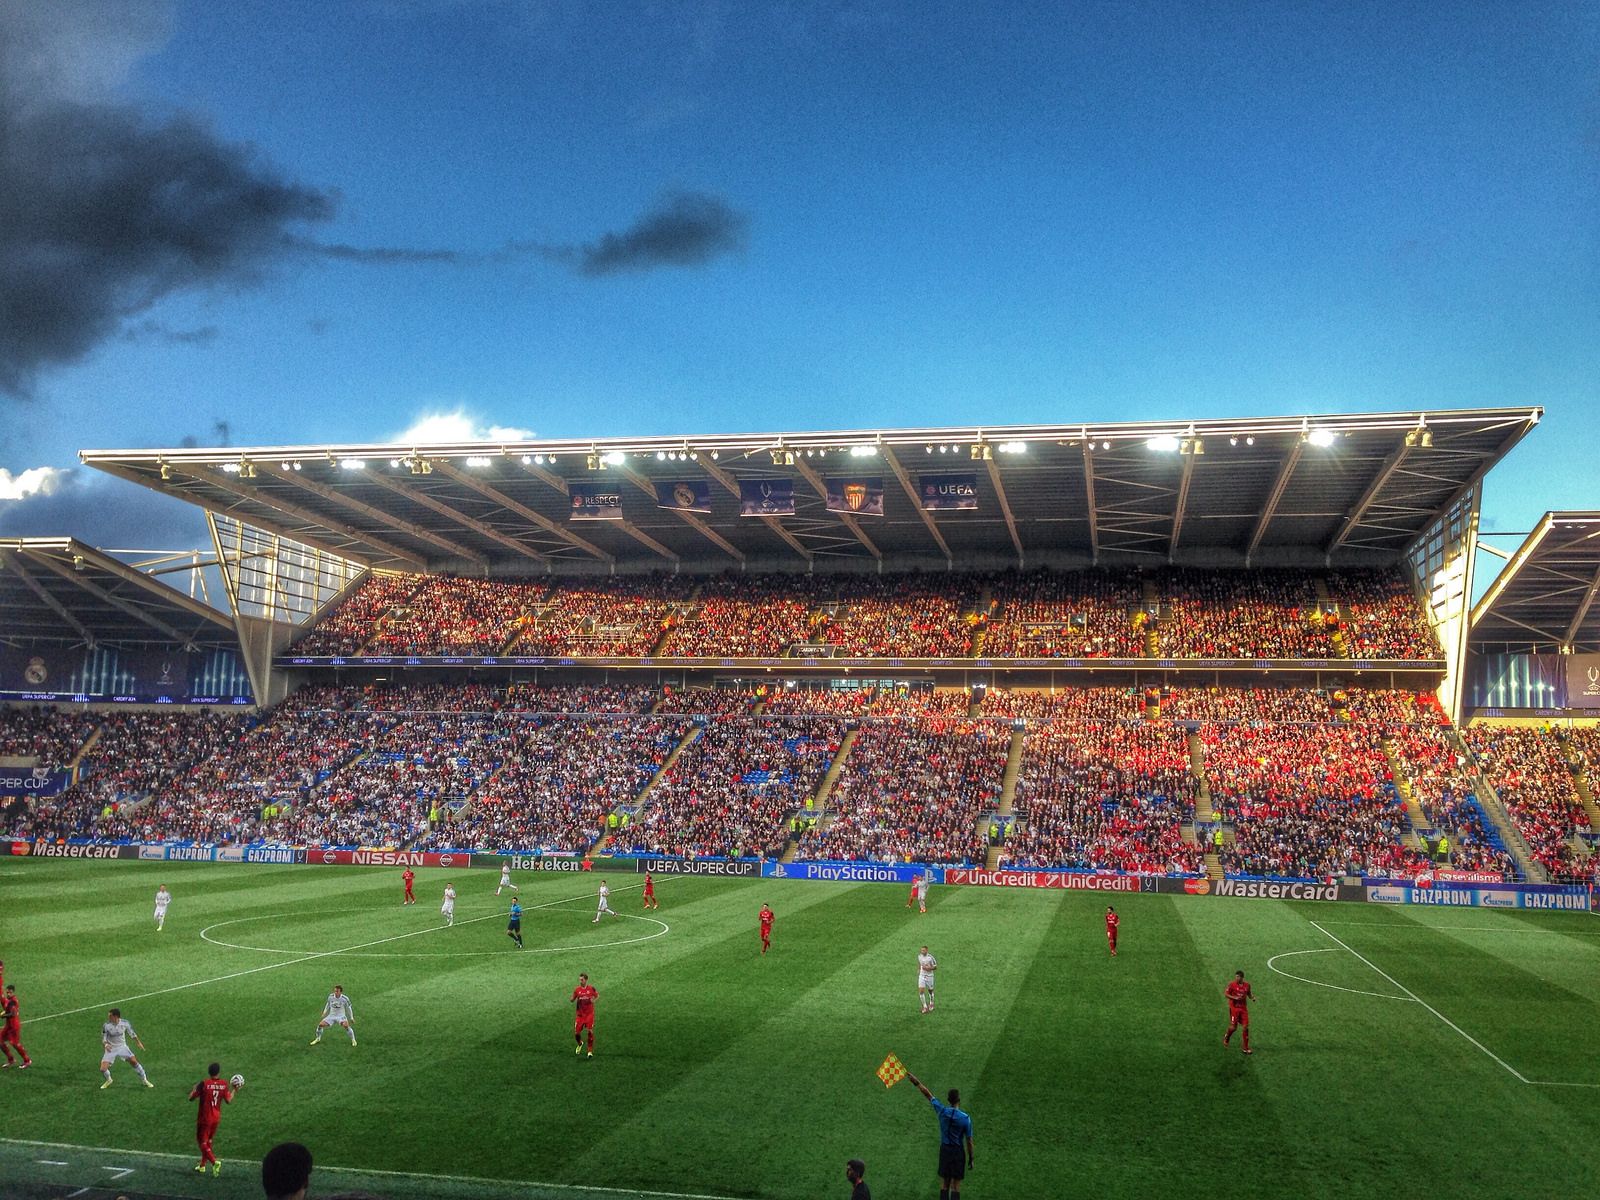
(290, 962)
(578, 1189)
(1518, 1075)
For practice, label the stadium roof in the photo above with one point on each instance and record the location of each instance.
(1544, 597)
(1338, 489)
(60, 590)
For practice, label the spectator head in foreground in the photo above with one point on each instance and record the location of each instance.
(286, 1171)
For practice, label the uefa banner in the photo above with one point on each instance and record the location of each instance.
(738, 867)
(1583, 680)
(1521, 681)
(948, 491)
(766, 497)
(861, 497)
(853, 872)
(592, 502)
(33, 781)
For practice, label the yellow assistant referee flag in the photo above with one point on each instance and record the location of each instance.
(892, 1071)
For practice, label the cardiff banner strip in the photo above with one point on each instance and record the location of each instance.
(861, 496)
(684, 495)
(766, 497)
(592, 502)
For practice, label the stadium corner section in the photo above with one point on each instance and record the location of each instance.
(1443, 888)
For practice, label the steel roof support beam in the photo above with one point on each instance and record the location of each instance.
(627, 527)
(1353, 518)
(820, 486)
(444, 510)
(1514, 564)
(1088, 491)
(1181, 502)
(443, 466)
(1519, 430)
(133, 610)
(1583, 610)
(688, 518)
(916, 501)
(14, 561)
(139, 579)
(244, 491)
(336, 497)
(1279, 486)
(1005, 506)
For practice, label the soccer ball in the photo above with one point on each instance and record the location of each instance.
(237, 1081)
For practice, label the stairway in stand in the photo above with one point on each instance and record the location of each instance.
(1408, 797)
(819, 800)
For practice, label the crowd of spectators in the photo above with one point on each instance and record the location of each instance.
(735, 788)
(353, 624)
(858, 702)
(744, 616)
(1533, 778)
(1107, 795)
(1040, 613)
(51, 737)
(1064, 704)
(1380, 616)
(1064, 614)
(913, 791)
(1242, 614)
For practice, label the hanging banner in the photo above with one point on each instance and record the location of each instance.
(595, 502)
(692, 495)
(1583, 680)
(959, 490)
(33, 781)
(766, 497)
(1531, 681)
(861, 497)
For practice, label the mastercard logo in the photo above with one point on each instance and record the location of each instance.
(18, 849)
(1197, 887)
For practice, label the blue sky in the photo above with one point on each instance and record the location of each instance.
(940, 212)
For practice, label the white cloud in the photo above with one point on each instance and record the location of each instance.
(35, 480)
(458, 426)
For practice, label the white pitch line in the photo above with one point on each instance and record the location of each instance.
(183, 987)
(586, 1189)
(1515, 1073)
(1320, 983)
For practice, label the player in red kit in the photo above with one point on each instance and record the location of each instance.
(1112, 921)
(583, 996)
(11, 1028)
(408, 877)
(650, 900)
(213, 1092)
(766, 928)
(1239, 995)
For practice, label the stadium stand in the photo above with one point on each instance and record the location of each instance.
(1531, 774)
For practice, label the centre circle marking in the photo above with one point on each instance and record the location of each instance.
(205, 935)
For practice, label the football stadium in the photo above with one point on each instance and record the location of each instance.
(1159, 786)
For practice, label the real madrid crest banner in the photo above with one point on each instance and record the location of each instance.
(766, 497)
(685, 495)
(594, 502)
(958, 490)
(859, 497)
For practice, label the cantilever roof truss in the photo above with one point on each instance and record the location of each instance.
(58, 589)
(1302, 490)
(1544, 598)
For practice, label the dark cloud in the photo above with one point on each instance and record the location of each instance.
(374, 255)
(154, 331)
(685, 230)
(103, 511)
(102, 215)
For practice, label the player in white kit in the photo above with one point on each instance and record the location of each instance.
(114, 1035)
(926, 966)
(505, 879)
(922, 892)
(605, 907)
(448, 908)
(163, 898)
(337, 1011)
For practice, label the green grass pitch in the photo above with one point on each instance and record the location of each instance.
(1419, 1051)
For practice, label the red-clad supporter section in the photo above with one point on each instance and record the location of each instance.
(1040, 614)
(1535, 780)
